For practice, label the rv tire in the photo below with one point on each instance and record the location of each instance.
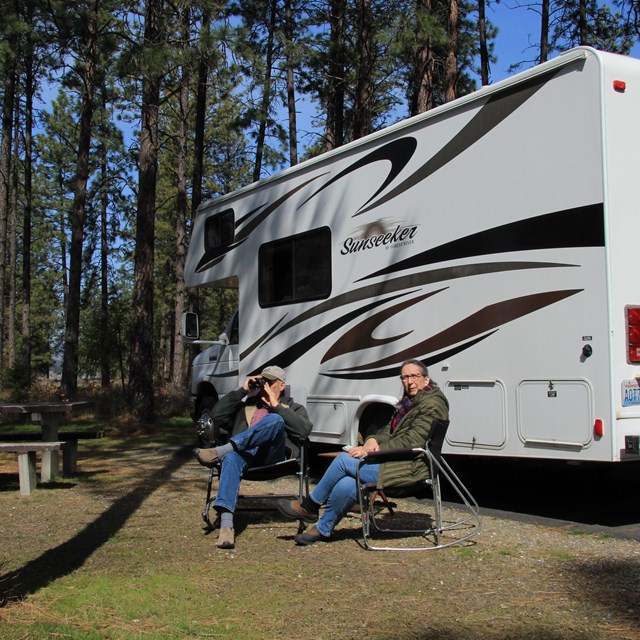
(205, 428)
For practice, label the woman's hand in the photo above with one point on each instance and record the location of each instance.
(369, 446)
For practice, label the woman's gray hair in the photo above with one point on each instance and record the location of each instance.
(418, 364)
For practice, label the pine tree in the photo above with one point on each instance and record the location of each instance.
(141, 393)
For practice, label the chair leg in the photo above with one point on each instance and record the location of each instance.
(444, 534)
(437, 508)
(208, 503)
(379, 493)
(366, 504)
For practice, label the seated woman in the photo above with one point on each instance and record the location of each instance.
(421, 403)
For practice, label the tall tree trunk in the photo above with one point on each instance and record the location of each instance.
(362, 111)
(544, 32)
(64, 249)
(25, 327)
(204, 63)
(583, 24)
(5, 186)
(200, 114)
(69, 381)
(178, 366)
(484, 50)
(422, 93)
(451, 63)
(12, 243)
(140, 390)
(337, 63)
(266, 92)
(291, 88)
(105, 354)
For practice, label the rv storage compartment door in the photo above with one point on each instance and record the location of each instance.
(329, 417)
(478, 414)
(555, 413)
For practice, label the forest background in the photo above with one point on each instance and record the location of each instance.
(120, 117)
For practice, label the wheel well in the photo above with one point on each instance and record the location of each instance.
(206, 397)
(373, 417)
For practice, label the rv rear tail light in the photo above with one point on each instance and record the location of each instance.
(633, 316)
(598, 428)
(619, 85)
(633, 333)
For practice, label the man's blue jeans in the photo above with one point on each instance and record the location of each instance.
(262, 444)
(338, 491)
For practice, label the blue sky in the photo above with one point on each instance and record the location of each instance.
(519, 29)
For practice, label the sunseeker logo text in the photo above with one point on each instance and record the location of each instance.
(398, 237)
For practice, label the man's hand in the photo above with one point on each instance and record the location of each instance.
(270, 396)
(245, 384)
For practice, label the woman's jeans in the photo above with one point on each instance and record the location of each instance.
(260, 445)
(338, 491)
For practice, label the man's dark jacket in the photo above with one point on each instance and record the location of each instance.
(230, 414)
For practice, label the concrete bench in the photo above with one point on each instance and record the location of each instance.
(27, 460)
(69, 452)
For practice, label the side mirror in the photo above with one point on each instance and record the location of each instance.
(223, 339)
(190, 327)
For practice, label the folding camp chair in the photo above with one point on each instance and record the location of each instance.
(293, 466)
(443, 533)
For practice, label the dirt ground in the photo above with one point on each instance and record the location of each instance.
(135, 511)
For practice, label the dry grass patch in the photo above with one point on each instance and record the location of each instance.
(121, 553)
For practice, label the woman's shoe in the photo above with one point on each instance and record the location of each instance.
(293, 510)
(310, 536)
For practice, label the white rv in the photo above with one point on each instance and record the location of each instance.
(495, 238)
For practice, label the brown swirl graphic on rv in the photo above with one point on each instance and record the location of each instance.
(486, 319)
(392, 372)
(304, 345)
(495, 110)
(361, 336)
(393, 285)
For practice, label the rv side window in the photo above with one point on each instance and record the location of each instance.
(295, 269)
(218, 230)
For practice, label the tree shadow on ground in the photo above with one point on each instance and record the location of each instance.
(614, 584)
(72, 554)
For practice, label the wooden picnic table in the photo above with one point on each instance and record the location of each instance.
(50, 415)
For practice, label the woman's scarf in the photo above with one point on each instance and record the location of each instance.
(403, 407)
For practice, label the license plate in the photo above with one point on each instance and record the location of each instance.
(630, 392)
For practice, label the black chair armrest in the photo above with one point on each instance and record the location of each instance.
(299, 440)
(392, 455)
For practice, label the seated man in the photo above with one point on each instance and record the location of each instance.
(260, 430)
(421, 403)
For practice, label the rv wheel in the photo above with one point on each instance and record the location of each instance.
(205, 428)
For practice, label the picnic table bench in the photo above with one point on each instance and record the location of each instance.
(49, 415)
(69, 451)
(27, 460)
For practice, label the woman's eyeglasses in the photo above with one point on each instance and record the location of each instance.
(411, 377)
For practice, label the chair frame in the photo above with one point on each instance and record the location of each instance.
(291, 466)
(470, 525)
